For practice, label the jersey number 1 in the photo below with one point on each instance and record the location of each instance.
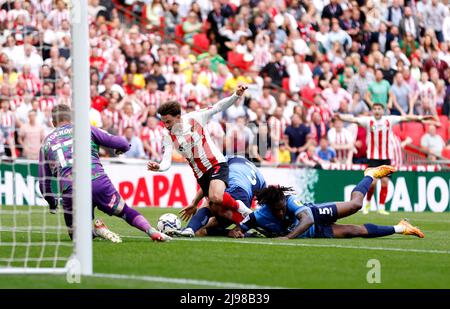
(60, 152)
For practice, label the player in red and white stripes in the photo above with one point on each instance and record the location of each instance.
(152, 136)
(188, 134)
(380, 149)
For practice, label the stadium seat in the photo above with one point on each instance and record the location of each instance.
(443, 129)
(446, 153)
(201, 42)
(179, 33)
(414, 130)
(285, 84)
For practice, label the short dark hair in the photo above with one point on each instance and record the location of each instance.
(172, 108)
(272, 195)
(61, 113)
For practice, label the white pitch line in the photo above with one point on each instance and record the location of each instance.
(291, 244)
(185, 281)
(297, 244)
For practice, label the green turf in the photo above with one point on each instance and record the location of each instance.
(306, 263)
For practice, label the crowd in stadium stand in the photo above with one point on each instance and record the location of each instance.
(303, 60)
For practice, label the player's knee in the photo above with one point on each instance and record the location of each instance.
(384, 181)
(216, 198)
(356, 204)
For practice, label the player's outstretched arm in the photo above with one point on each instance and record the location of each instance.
(346, 118)
(417, 117)
(167, 157)
(223, 104)
(103, 138)
(306, 220)
(187, 212)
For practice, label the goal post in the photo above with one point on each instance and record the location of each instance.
(82, 196)
(32, 241)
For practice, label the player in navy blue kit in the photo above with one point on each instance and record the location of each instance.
(285, 216)
(244, 180)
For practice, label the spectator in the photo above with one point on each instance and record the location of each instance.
(342, 141)
(136, 149)
(402, 97)
(432, 142)
(296, 137)
(275, 70)
(309, 158)
(378, 91)
(284, 156)
(31, 135)
(325, 152)
(335, 94)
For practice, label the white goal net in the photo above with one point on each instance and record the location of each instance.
(41, 61)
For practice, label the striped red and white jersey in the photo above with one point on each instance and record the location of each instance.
(192, 139)
(153, 98)
(56, 17)
(344, 137)
(397, 159)
(173, 96)
(154, 137)
(46, 103)
(178, 78)
(32, 83)
(8, 122)
(16, 102)
(113, 117)
(324, 111)
(379, 136)
(129, 121)
(277, 127)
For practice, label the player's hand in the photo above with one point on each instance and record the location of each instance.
(235, 233)
(283, 238)
(187, 212)
(241, 89)
(153, 166)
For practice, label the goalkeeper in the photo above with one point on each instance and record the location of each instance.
(56, 158)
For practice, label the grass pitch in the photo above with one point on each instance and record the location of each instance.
(215, 262)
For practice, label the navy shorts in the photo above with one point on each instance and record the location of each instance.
(239, 194)
(218, 171)
(324, 216)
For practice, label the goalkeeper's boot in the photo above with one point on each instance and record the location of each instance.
(102, 231)
(411, 230)
(158, 236)
(187, 232)
(380, 171)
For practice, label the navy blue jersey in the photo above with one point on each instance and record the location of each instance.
(263, 218)
(244, 179)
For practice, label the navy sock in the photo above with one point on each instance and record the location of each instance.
(378, 230)
(364, 185)
(200, 219)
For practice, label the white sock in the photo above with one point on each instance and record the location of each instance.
(381, 207)
(399, 229)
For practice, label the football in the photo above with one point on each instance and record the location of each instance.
(169, 224)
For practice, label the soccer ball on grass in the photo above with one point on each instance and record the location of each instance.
(169, 224)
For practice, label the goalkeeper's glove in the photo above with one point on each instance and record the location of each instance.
(119, 152)
(53, 205)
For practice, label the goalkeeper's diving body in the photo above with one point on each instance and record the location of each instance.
(188, 134)
(284, 216)
(55, 161)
